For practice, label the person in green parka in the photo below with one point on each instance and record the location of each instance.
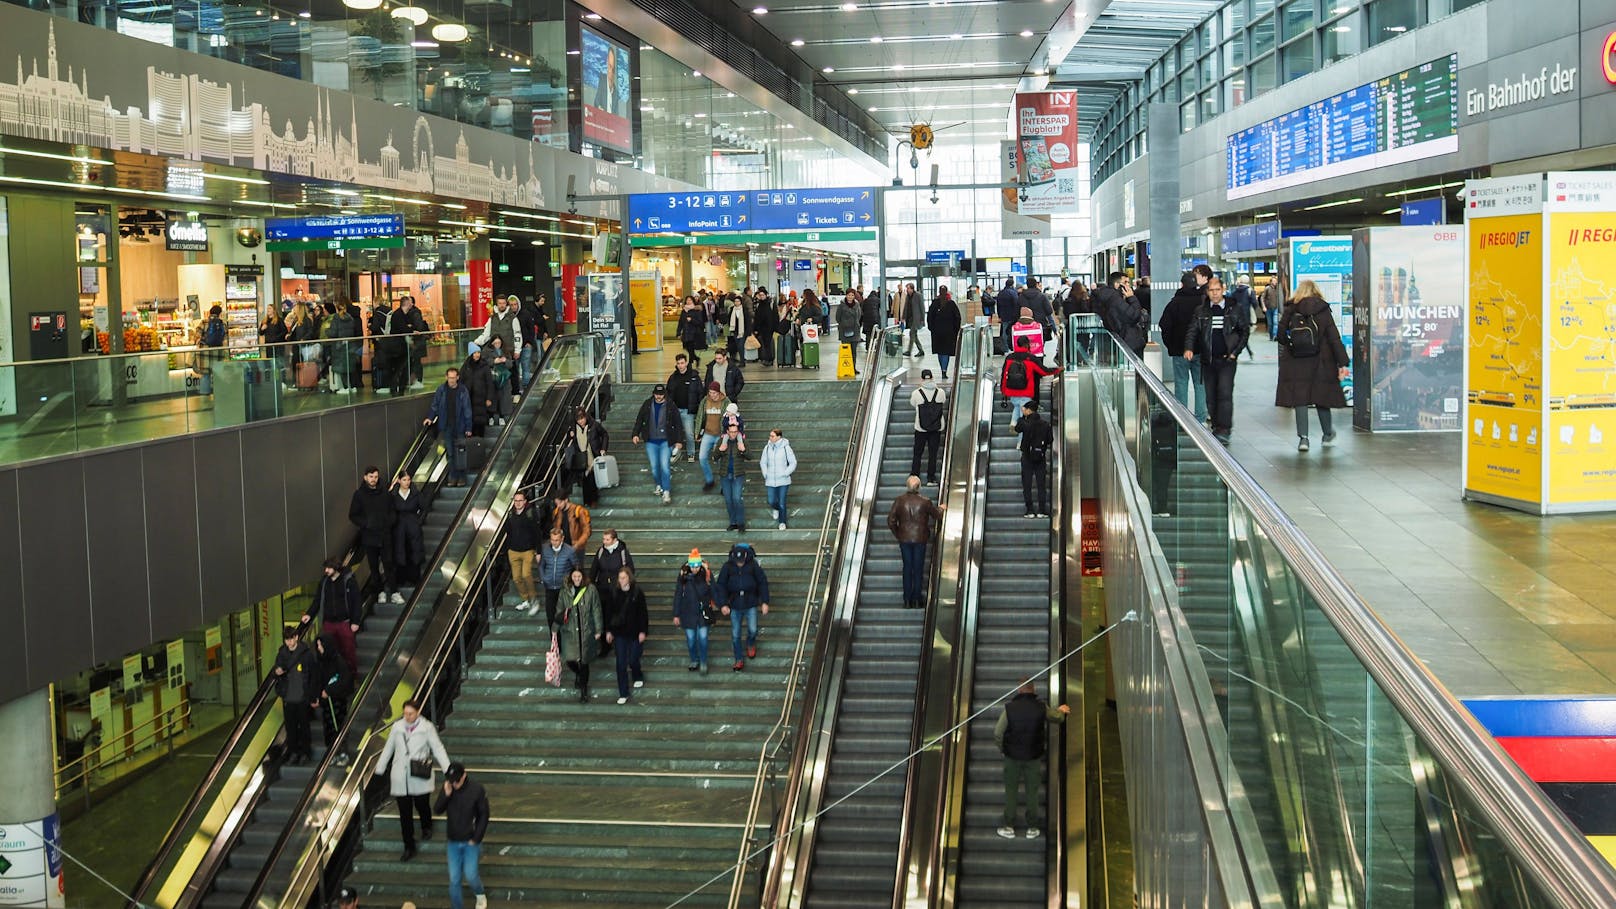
(579, 628)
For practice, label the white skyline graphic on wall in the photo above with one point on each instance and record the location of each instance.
(193, 118)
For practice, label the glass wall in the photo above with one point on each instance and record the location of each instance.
(1247, 48)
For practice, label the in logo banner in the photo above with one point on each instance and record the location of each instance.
(1047, 151)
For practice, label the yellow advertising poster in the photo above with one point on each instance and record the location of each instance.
(1504, 371)
(1582, 456)
(645, 296)
(1582, 309)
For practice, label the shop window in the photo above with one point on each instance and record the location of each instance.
(1295, 60)
(1295, 19)
(1262, 36)
(1342, 38)
(1390, 18)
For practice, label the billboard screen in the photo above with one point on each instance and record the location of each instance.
(608, 82)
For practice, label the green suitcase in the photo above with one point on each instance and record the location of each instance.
(810, 356)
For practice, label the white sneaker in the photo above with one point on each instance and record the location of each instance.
(622, 700)
(775, 514)
(782, 527)
(1032, 833)
(656, 490)
(418, 386)
(640, 683)
(398, 599)
(667, 497)
(1008, 833)
(482, 901)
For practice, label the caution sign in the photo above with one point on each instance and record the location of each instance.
(844, 362)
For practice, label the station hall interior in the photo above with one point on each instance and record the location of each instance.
(1014, 453)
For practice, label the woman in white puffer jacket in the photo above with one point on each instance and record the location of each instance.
(778, 462)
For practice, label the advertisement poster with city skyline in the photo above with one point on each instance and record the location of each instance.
(1410, 344)
(608, 81)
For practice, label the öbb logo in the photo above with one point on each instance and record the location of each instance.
(1515, 238)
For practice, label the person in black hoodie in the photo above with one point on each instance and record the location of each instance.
(336, 604)
(479, 382)
(336, 686)
(726, 372)
(297, 684)
(686, 389)
(409, 509)
(1175, 324)
(370, 511)
(763, 322)
(628, 621)
(464, 806)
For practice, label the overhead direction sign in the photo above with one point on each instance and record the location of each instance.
(736, 239)
(782, 209)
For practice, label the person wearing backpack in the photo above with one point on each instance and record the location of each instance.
(1018, 379)
(931, 417)
(742, 593)
(1312, 362)
(213, 335)
(1037, 436)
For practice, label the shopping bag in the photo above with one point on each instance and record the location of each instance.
(552, 663)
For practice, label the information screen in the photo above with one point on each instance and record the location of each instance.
(1403, 117)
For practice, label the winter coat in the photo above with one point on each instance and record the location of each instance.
(1020, 732)
(732, 380)
(847, 323)
(692, 329)
(672, 426)
(574, 523)
(335, 682)
(300, 674)
(408, 548)
(1236, 330)
(522, 530)
(508, 328)
(628, 616)
(337, 599)
(911, 518)
(778, 462)
(609, 562)
(1123, 317)
(742, 583)
(370, 511)
(451, 411)
(1311, 381)
(1023, 382)
(580, 618)
(686, 389)
(944, 321)
(692, 591)
(1006, 306)
(1176, 317)
(404, 746)
(554, 564)
(478, 380)
(1036, 300)
(914, 309)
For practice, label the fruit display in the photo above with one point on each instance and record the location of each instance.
(138, 339)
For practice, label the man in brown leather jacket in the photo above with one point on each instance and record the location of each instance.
(910, 521)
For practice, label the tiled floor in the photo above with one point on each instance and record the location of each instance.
(1494, 601)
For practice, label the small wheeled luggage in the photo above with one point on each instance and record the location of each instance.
(473, 454)
(810, 355)
(308, 374)
(606, 471)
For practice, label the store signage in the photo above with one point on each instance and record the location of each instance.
(185, 232)
(1607, 58)
(784, 209)
(944, 255)
(1529, 87)
(802, 265)
(336, 227)
(1424, 211)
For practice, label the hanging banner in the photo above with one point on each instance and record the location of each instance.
(1046, 136)
(1013, 223)
(481, 272)
(645, 297)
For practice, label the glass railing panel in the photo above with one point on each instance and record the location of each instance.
(84, 403)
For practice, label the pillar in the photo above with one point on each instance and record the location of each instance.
(1166, 244)
(28, 803)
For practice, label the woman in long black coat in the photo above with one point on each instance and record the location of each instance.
(692, 328)
(943, 320)
(1310, 381)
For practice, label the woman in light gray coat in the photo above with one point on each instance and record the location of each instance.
(412, 738)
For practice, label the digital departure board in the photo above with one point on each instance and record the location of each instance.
(1403, 117)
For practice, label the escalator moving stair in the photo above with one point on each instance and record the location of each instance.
(855, 854)
(1012, 641)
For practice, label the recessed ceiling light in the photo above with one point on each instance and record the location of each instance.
(873, 109)
(592, 17)
(760, 10)
(852, 91)
(701, 116)
(1026, 33)
(849, 7)
(1397, 28)
(415, 14)
(955, 37)
(797, 42)
(828, 70)
(875, 39)
(897, 67)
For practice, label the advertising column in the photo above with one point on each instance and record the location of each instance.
(480, 273)
(1503, 452)
(1409, 335)
(1327, 262)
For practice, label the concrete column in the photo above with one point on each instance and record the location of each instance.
(33, 873)
(1166, 243)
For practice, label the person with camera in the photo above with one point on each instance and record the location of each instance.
(413, 748)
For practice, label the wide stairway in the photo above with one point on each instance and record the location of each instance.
(287, 785)
(640, 804)
(1012, 639)
(855, 853)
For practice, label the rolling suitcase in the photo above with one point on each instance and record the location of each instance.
(606, 472)
(308, 374)
(810, 355)
(473, 454)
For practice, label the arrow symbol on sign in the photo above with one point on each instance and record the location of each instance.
(864, 195)
(5, 864)
(740, 219)
(636, 223)
(865, 216)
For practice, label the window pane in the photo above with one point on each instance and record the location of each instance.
(1343, 39)
(1234, 91)
(1337, 7)
(1295, 19)
(1390, 18)
(1186, 116)
(1295, 60)
(1186, 85)
(1261, 75)
(1258, 7)
(1262, 36)
(1209, 105)
(1210, 71)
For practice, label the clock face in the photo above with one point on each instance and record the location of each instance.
(920, 136)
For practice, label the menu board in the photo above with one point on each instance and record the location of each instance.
(1403, 117)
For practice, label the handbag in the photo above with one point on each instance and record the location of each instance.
(710, 613)
(420, 768)
(752, 343)
(552, 663)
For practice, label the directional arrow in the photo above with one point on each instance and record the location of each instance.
(636, 223)
(864, 195)
(5, 864)
(865, 217)
(740, 219)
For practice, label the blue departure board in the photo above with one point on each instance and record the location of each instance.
(778, 209)
(1403, 117)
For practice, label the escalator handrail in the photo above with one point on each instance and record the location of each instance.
(223, 840)
(348, 802)
(950, 636)
(827, 552)
(1056, 854)
(810, 752)
(1558, 860)
(261, 703)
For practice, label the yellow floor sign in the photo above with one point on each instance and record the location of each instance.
(844, 362)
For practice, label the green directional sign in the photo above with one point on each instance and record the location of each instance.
(5, 864)
(801, 236)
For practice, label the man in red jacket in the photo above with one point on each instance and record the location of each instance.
(1019, 379)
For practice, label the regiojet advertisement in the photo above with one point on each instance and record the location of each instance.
(1581, 306)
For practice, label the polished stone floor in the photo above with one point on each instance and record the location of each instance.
(1495, 602)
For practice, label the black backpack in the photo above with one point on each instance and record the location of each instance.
(1015, 371)
(213, 334)
(1036, 437)
(1303, 336)
(931, 414)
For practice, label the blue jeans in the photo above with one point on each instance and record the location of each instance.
(732, 487)
(777, 499)
(525, 367)
(942, 360)
(661, 470)
(736, 617)
(1015, 409)
(689, 421)
(696, 643)
(1185, 376)
(1272, 316)
(708, 443)
(628, 650)
(914, 572)
(463, 858)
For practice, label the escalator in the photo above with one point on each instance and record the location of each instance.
(252, 795)
(855, 853)
(1012, 642)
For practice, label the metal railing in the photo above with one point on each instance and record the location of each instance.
(765, 782)
(162, 728)
(1514, 837)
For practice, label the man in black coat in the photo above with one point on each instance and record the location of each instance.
(1121, 313)
(370, 511)
(1037, 437)
(686, 389)
(336, 602)
(1008, 309)
(1216, 337)
(408, 321)
(727, 373)
(297, 684)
